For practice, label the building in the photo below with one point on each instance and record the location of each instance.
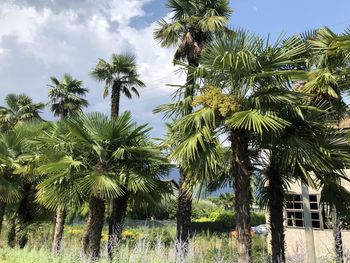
(308, 227)
(302, 238)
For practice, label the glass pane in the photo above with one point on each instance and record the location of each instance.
(297, 197)
(316, 224)
(290, 222)
(290, 205)
(313, 198)
(299, 215)
(313, 206)
(290, 215)
(298, 206)
(315, 216)
(299, 223)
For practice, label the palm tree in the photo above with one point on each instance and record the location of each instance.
(66, 96)
(9, 188)
(102, 149)
(18, 167)
(19, 108)
(121, 76)
(240, 75)
(66, 99)
(193, 25)
(328, 81)
(304, 146)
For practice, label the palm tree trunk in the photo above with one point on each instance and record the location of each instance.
(184, 212)
(241, 181)
(115, 100)
(60, 218)
(338, 241)
(95, 225)
(276, 197)
(85, 238)
(118, 205)
(11, 235)
(60, 213)
(116, 223)
(2, 213)
(17, 235)
(184, 200)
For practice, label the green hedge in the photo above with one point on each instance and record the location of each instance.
(228, 218)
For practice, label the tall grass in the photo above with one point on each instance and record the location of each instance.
(141, 244)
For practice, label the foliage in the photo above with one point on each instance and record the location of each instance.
(147, 247)
(19, 109)
(121, 70)
(229, 219)
(66, 96)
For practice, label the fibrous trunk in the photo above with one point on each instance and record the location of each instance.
(117, 210)
(117, 220)
(92, 237)
(115, 100)
(184, 211)
(60, 218)
(276, 197)
(241, 181)
(17, 235)
(338, 242)
(2, 213)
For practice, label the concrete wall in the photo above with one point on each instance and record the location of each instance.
(324, 242)
(323, 238)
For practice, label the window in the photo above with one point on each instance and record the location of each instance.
(295, 211)
(315, 211)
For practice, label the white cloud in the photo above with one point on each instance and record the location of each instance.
(39, 39)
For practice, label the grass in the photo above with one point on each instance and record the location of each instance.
(140, 244)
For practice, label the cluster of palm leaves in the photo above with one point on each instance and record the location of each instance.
(82, 160)
(278, 105)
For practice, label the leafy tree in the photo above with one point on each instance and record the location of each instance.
(327, 80)
(192, 26)
(19, 174)
(66, 96)
(303, 148)
(66, 99)
(107, 157)
(237, 73)
(19, 108)
(120, 76)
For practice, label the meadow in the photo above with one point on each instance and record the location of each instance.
(140, 244)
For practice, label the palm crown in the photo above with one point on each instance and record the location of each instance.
(66, 96)
(120, 75)
(20, 108)
(192, 25)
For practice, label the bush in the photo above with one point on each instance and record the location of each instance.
(203, 208)
(226, 217)
(258, 218)
(229, 218)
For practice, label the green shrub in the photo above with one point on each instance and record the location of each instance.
(203, 208)
(229, 218)
(226, 217)
(258, 218)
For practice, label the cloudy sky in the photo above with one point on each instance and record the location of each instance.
(43, 38)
